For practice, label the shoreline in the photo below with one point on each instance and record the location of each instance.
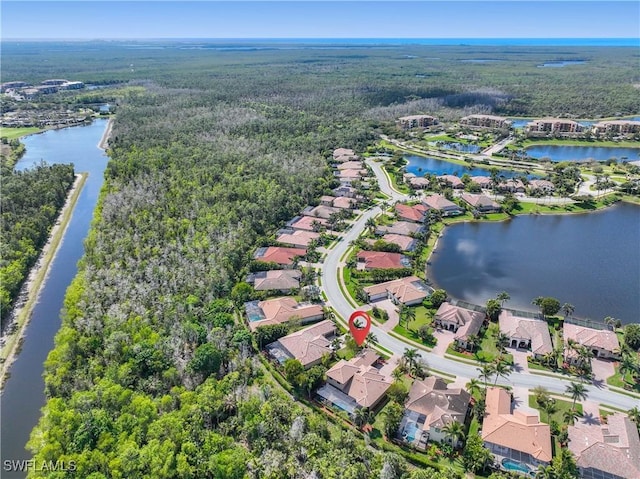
(37, 277)
(103, 144)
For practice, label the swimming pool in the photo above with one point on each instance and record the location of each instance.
(512, 465)
(410, 430)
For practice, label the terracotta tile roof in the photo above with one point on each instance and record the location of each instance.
(437, 402)
(401, 227)
(405, 290)
(591, 338)
(280, 310)
(411, 213)
(352, 173)
(613, 448)
(300, 238)
(327, 199)
(309, 344)
(382, 260)
(482, 180)
(534, 330)
(351, 165)
(359, 380)
(439, 202)
(343, 202)
(518, 431)
(279, 255)
(468, 322)
(541, 184)
(343, 152)
(453, 180)
(321, 211)
(405, 242)
(277, 279)
(479, 201)
(306, 223)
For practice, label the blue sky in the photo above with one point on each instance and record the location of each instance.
(90, 19)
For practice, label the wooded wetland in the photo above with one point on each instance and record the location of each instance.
(154, 373)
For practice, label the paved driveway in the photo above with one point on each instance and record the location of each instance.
(445, 338)
(390, 308)
(602, 369)
(519, 359)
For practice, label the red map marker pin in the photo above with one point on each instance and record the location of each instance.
(359, 330)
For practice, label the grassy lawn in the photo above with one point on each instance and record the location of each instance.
(576, 142)
(626, 383)
(487, 352)
(561, 407)
(534, 208)
(13, 133)
(423, 317)
(391, 173)
(351, 284)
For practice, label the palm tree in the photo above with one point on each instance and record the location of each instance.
(549, 407)
(546, 472)
(473, 386)
(371, 224)
(569, 416)
(576, 391)
(541, 394)
(503, 297)
(397, 374)
(612, 323)
(409, 315)
(628, 365)
(371, 338)
(502, 369)
(634, 415)
(410, 357)
(473, 341)
(486, 371)
(454, 432)
(362, 417)
(502, 341)
(568, 309)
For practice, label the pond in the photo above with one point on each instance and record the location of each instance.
(561, 63)
(583, 153)
(589, 260)
(456, 146)
(420, 165)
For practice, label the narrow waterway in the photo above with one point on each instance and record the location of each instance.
(23, 394)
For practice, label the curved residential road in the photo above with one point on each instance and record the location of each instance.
(344, 309)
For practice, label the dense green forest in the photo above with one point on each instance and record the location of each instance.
(152, 374)
(29, 205)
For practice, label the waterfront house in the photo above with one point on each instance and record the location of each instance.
(443, 205)
(419, 183)
(601, 342)
(543, 186)
(517, 439)
(409, 291)
(355, 383)
(282, 256)
(415, 213)
(610, 450)
(281, 310)
(481, 203)
(526, 333)
(553, 125)
(485, 121)
(430, 407)
(307, 345)
(406, 243)
(452, 181)
(307, 223)
(512, 185)
(463, 322)
(617, 127)
(282, 280)
(296, 238)
(401, 228)
(483, 181)
(416, 121)
(369, 260)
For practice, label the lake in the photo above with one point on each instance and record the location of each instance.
(589, 260)
(419, 165)
(583, 153)
(561, 63)
(23, 394)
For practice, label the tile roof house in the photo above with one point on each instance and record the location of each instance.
(554, 125)
(526, 333)
(620, 127)
(602, 343)
(481, 203)
(405, 228)
(418, 182)
(452, 181)
(344, 154)
(344, 202)
(514, 436)
(320, 211)
(609, 450)
(345, 190)
(307, 345)
(281, 310)
(435, 405)
(415, 214)
(351, 174)
(327, 200)
(463, 322)
(483, 181)
(382, 260)
(297, 238)
(408, 291)
(440, 203)
(359, 380)
(512, 186)
(283, 280)
(541, 185)
(280, 255)
(351, 165)
(486, 121)
(406, 243)
(307, 223)
(416, 121)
